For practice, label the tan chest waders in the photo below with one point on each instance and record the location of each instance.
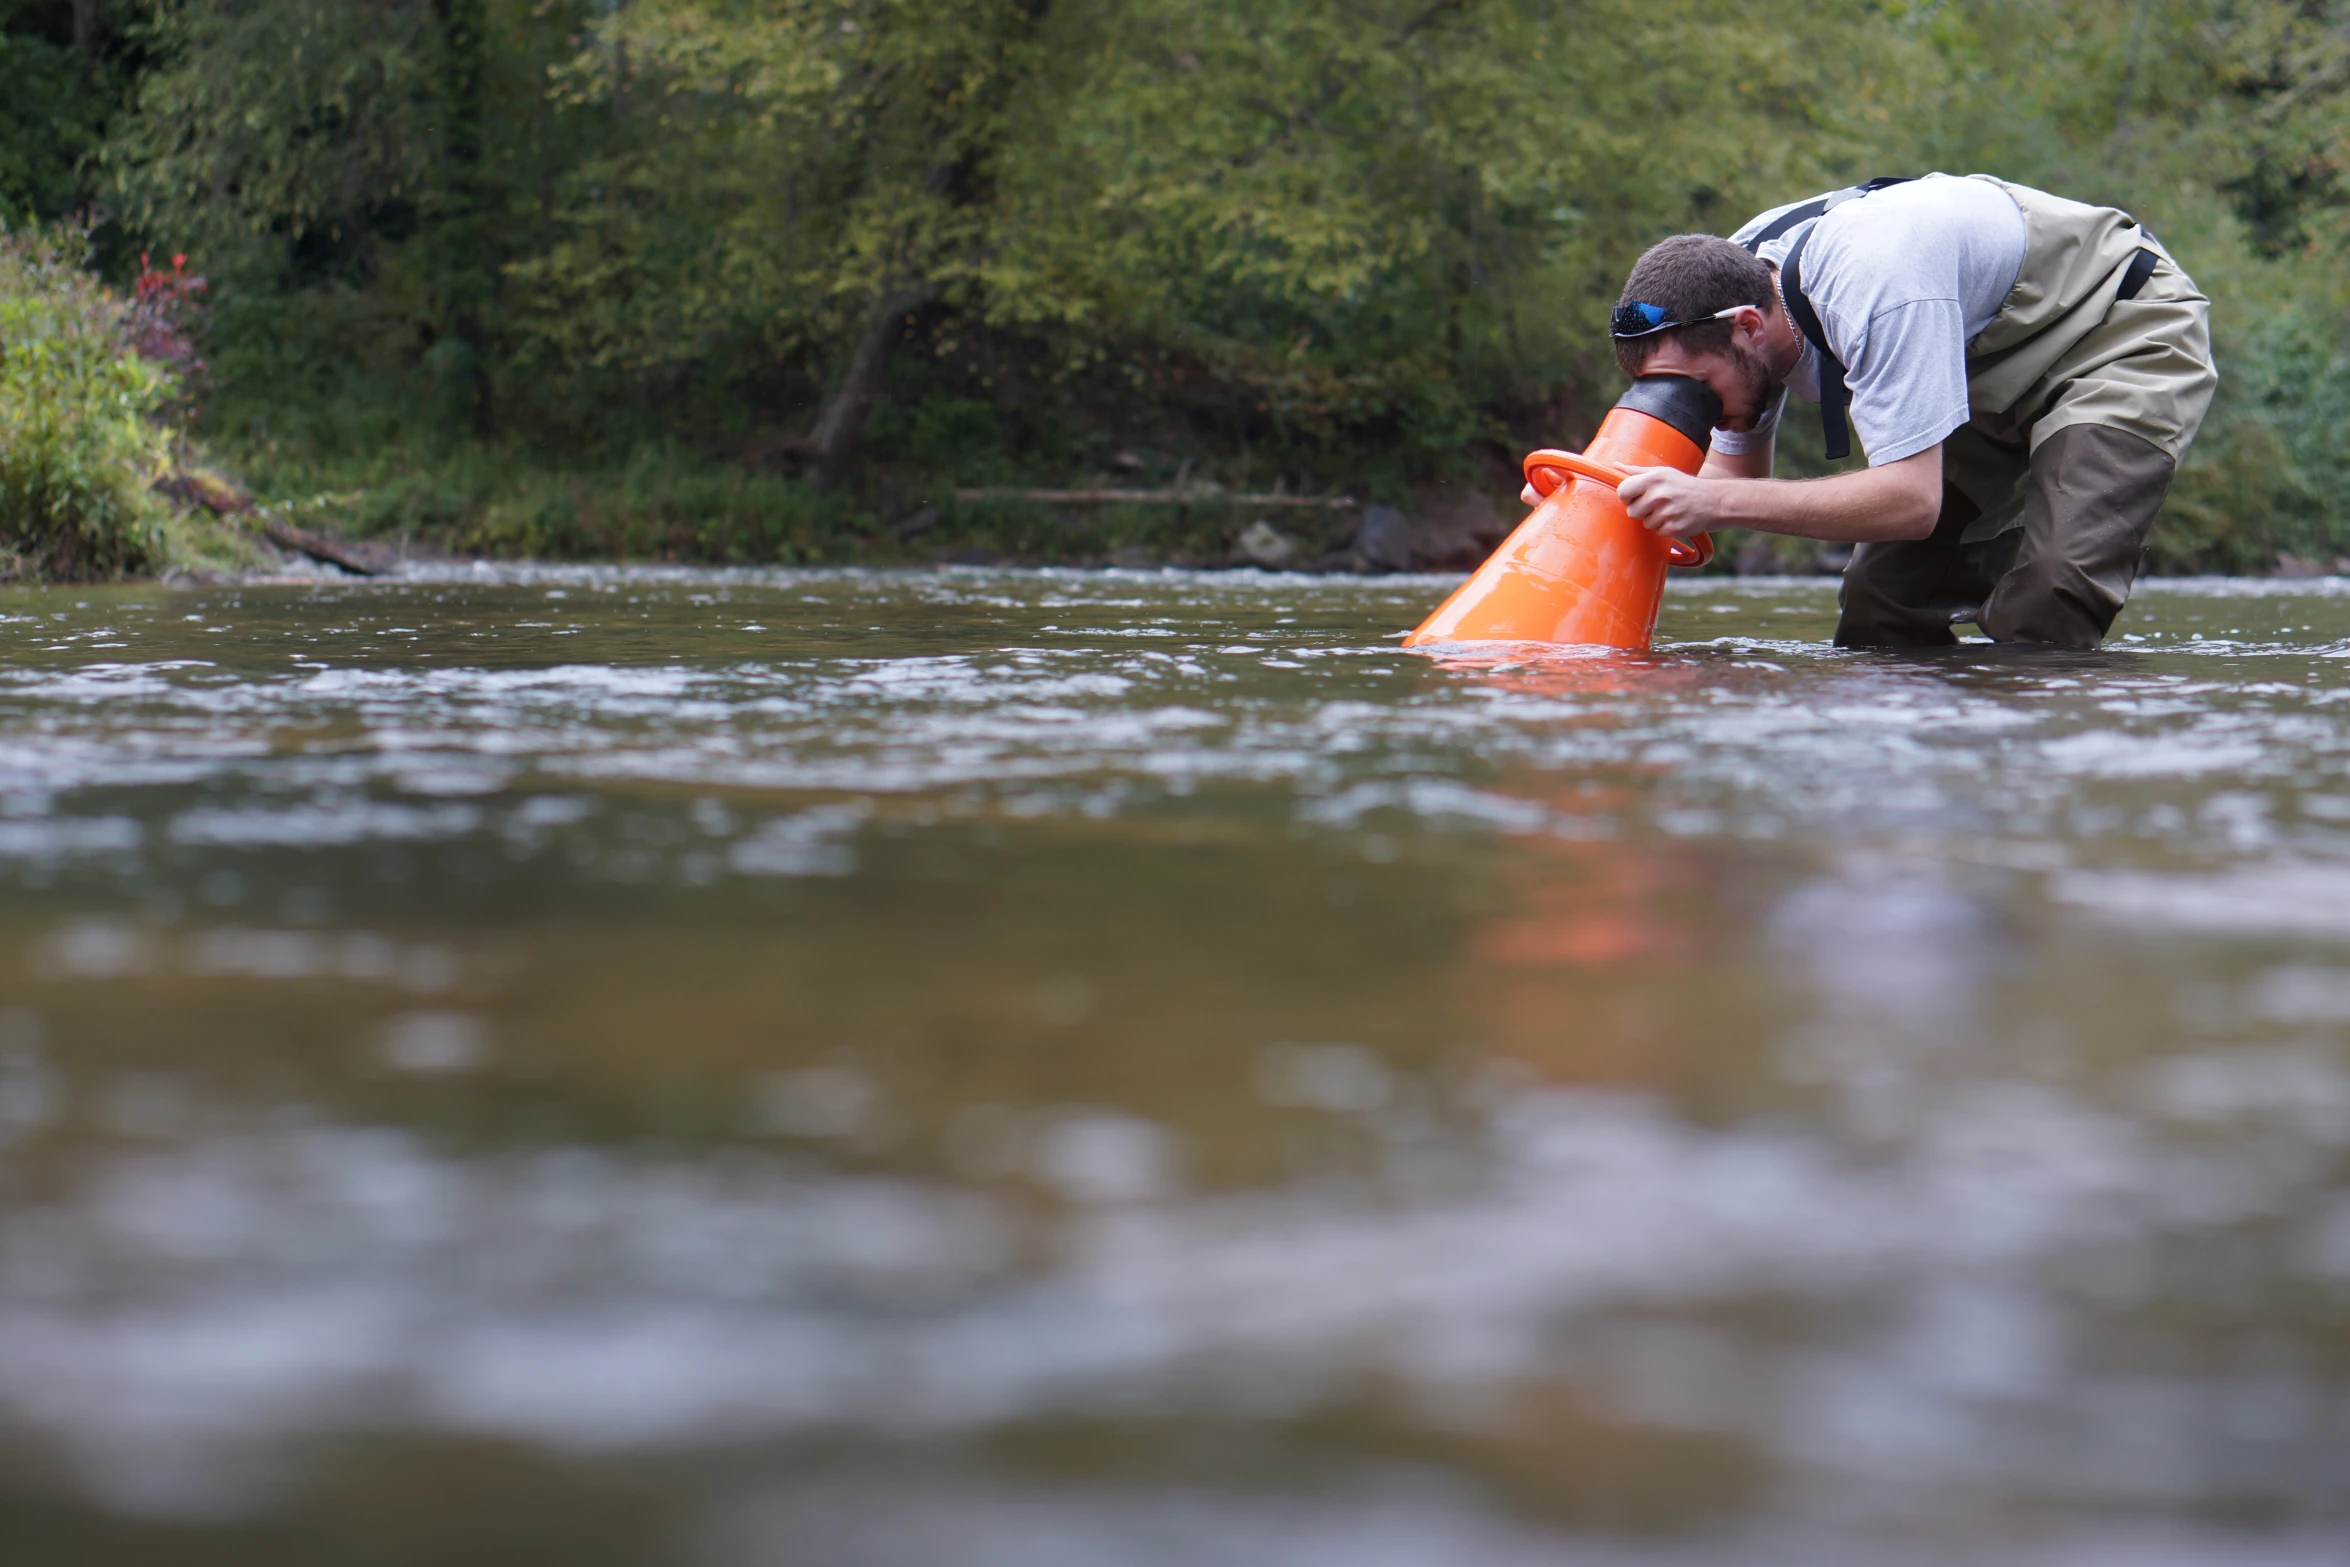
(2085, 390)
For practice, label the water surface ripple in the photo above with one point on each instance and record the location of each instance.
(1048, 1067)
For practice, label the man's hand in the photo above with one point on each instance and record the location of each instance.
(1672, 504)
(1899, 500)
(1667, 501)
(1667, 514)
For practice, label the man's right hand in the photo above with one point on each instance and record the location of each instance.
(1899, 500)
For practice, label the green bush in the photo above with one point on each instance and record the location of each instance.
(80, 442)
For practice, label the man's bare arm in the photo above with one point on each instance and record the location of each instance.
(1739, 465)
(1900, 500)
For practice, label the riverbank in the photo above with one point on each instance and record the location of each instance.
(668, 508)
(122, 456)
(1163, 497)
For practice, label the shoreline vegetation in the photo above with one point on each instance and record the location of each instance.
(1192, 282)
(99, 478)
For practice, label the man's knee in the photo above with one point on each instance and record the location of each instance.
(1904, 593)
(2070, 614)
(1878, 604)
(2091, 503)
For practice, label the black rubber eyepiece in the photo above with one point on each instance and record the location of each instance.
(1690, 407)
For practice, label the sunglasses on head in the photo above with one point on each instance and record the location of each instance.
(1642, 320)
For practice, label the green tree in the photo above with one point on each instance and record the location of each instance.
(1392, 216)
(63, 63)
(781, 185)
(391, 150)
(1404, 218)
(286, 140)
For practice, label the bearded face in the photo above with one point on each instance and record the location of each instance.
(1745, 371)
(1749, 377)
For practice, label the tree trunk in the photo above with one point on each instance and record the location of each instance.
(613, 8)
(85, 36)
(466, 277)
(843, 421)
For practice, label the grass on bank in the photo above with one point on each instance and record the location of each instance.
(664, 502)
(2248, 500)
(364, 449)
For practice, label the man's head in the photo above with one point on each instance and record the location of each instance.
(1730, 332)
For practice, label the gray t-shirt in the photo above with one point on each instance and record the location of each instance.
(1903, 279)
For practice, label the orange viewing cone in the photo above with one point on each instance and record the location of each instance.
(1579, 569)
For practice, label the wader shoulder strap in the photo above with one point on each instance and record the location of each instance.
(1835, 397)
(1779, 225)
(1804, 212)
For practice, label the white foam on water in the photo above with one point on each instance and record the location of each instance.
(1745, 750)
(309, 826)
(2291, 899)
(808, 843)
(2113, 754)
(55, 838)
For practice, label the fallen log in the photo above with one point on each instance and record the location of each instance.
(349, 556)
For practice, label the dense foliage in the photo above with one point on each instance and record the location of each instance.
(79, 439)
(755, 278)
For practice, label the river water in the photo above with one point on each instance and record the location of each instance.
(1052, 1068)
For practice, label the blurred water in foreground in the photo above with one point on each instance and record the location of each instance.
(1020, 1069)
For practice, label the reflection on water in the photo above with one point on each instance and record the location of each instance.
(995, 1068)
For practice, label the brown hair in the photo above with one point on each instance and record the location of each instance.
(1692, 276)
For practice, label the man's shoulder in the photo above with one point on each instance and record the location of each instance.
(1851, 209)
(1761, 221)
(1929, 199)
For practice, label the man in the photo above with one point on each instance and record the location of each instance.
(2024, 373)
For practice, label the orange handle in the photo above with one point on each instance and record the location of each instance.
(1548, 470)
